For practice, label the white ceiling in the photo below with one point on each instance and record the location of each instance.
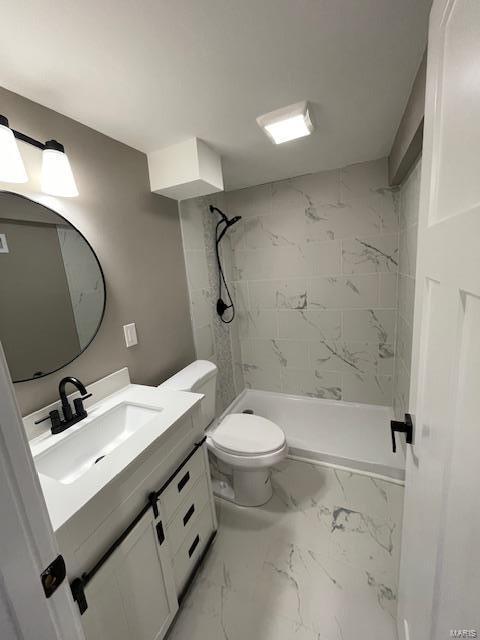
(154, 72)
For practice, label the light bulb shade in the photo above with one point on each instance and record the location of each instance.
(57, 175)
(11, 164)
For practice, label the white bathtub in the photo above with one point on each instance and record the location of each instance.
(356, 436)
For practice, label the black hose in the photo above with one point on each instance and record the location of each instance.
(221, 305)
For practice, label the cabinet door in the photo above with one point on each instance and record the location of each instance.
(133, 595)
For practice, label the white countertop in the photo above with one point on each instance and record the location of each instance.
(64, 500)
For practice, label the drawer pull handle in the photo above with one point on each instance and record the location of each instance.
(188, 515)
(160, 533)
(183, 481)
(194, 546)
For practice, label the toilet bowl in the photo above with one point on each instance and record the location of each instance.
(250, 445)
(244, 446)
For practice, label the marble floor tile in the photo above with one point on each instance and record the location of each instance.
(319, 561)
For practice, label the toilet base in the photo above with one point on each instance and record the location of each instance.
(252, 488)
(245, 488)
(244, 480)
(223, 489)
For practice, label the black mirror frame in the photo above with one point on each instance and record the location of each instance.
(44, 375)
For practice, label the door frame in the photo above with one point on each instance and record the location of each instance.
(27, 542)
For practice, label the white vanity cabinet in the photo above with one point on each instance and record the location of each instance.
(133, 594)
(134, 547)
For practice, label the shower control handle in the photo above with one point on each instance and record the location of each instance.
(402, 427)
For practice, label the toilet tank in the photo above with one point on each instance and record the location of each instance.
(201, 377)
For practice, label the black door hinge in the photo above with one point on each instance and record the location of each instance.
(402, 427)
(53, 576)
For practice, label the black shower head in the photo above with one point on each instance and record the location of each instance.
(233, 220)
(216, 209)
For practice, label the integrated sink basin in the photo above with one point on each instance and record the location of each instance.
(93, 440)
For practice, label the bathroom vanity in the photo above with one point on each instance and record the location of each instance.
(129, 495)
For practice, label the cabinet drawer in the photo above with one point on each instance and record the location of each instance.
(192, 547)
(181, 484)
(187, 514)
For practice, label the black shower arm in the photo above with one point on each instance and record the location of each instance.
(224, 217)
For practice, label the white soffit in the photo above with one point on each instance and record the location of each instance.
(185, 170)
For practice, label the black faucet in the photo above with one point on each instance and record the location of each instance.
(69, 417)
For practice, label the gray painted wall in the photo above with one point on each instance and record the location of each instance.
(137, 237)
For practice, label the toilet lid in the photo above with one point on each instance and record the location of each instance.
(247, 434)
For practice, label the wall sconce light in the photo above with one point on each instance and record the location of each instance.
(57, 176)
(11, 163)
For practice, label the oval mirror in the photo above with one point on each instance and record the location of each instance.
(52, 289)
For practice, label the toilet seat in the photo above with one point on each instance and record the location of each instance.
(242, 434)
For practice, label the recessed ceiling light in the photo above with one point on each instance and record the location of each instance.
(287, 123)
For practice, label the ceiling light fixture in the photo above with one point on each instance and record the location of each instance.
(288, 123)
(57, 176)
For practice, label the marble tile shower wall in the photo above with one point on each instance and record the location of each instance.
(213, 340)
(314, 267)
(408, 199)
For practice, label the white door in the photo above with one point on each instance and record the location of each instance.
(133, 594)
(27, 542)
(440, 569)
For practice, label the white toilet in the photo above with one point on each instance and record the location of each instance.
(246, 446)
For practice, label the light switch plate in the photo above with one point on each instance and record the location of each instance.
(130, 333)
